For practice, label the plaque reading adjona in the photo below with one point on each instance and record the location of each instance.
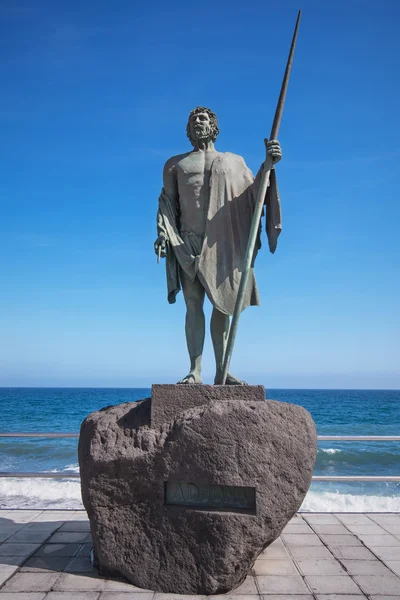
(210, 496)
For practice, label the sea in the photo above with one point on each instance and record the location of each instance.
(335, 412)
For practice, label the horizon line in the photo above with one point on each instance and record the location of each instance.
(88, 387)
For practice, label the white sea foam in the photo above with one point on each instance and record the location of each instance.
(66, 494)
(338, 502)
(329, 450)
(72, 468)
(42, 493)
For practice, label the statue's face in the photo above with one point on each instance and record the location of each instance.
(200, 126)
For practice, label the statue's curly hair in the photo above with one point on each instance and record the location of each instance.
(213, 122)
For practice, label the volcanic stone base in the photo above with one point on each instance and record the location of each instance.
(168, 401)
(187, 507)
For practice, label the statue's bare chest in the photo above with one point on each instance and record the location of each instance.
(195, 169)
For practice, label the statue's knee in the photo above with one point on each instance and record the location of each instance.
(194, 305)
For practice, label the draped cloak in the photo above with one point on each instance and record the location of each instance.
(217, 258)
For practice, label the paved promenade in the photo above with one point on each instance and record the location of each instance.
(45, 555)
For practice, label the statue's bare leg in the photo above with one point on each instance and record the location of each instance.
(194, 326)
(219, 336)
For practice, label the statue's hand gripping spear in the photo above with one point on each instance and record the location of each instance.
(268, 163)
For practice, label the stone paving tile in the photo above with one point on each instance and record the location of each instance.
(330, 529)
(353, 518)
(42, 526)
(48, 517)
(297, 517)
(394, 565)
(275, 584)
(24, 516)
(299, 539)
(85, 549)
(15, 511)
(33, 537)
(283, 597)
(379, 540)
(22, 595)
(69, 582)
(58, 550)
(80, 564)
(340, 597)
(378, 584)
(332, 584)
(247, 587)
(42, 564)
(386, 553)
(145, 596)
(372, 529)
(352, 552)
(310, 552)
(228, 596)
(301, 527)
(4, 575)
(8, 530)
(365, 567)
(273, 554)
(327, 519)
(75, 526)
(80, 515)
(68, 537)
(31, 582)
(317, 566)
(340, 540)
(276, 574)
(386, 519)
(7, 570)
(390, 528)
(4, 537)
(275, 551)
(25, 550)
(8, 521)
(76, 596)
(164, 596)
(276, 543)
(385, 597)
(274, 567)
(15, 561)
(119, 585)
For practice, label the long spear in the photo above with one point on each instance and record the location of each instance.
(268, 163)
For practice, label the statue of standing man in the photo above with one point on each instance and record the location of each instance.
(203, 223)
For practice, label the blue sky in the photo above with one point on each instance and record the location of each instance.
(95, 97)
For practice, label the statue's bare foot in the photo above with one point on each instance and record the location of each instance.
(192, 377)
(231, 380)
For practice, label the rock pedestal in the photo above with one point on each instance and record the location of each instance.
(186, 505)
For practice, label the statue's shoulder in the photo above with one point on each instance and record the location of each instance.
(175, 160)
(231, 159)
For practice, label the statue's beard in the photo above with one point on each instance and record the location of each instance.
(201, 134)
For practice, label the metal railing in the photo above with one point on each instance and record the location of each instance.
(321, 438)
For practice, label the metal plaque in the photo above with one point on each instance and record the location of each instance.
(210, 496)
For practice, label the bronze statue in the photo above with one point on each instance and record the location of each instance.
(203, 222)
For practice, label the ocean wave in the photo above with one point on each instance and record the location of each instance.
(66, 494)
(72, 468)
(384, 461)
(339, 502)
(40, 493)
